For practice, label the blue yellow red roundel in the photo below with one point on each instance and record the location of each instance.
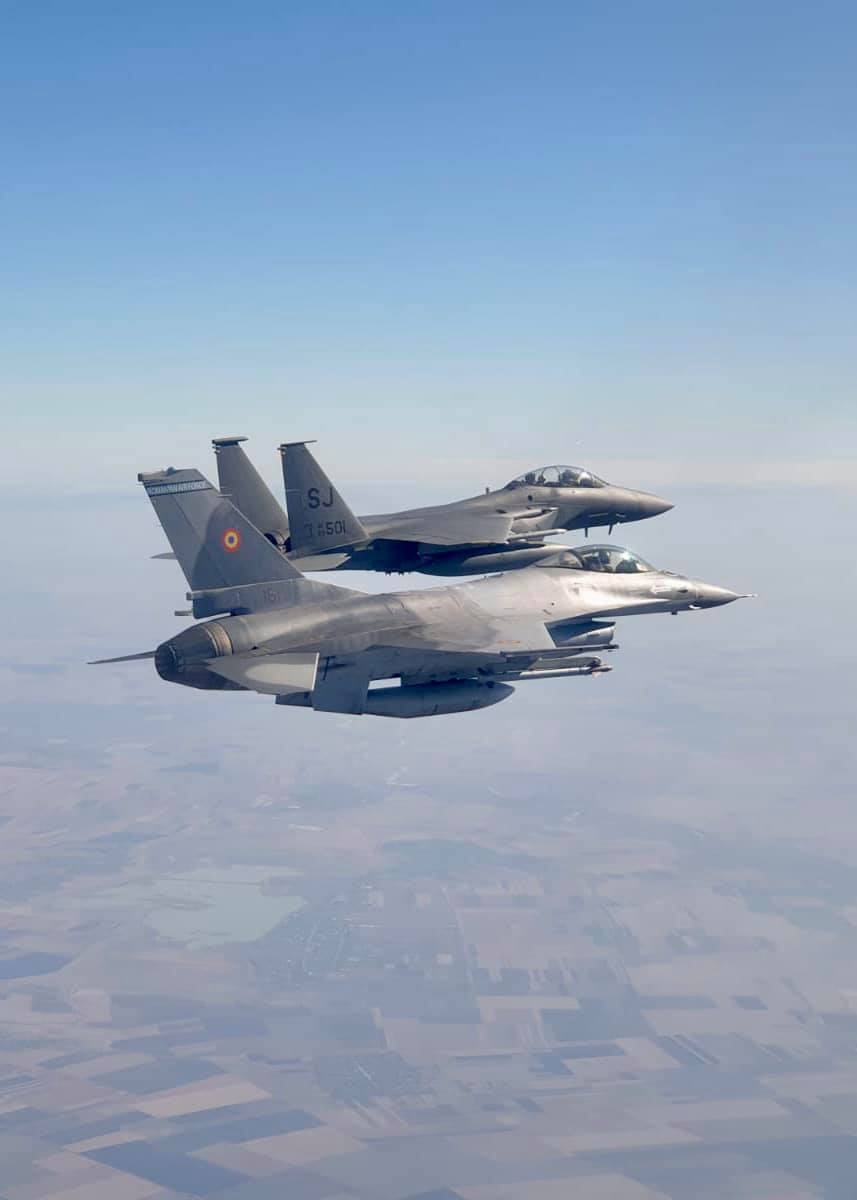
(231, 540)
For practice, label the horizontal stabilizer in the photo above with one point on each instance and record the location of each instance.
(272, 674)
(321, 562)
(446, 527)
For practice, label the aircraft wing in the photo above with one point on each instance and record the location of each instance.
(500, 638)
(462, 634)
(342, 681)
(445, 527)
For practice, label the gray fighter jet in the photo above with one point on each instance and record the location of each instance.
(496, 531)
(451, 649)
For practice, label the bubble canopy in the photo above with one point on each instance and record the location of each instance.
(558, 476)
(610, 560)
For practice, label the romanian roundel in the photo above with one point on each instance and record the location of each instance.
(231, 540)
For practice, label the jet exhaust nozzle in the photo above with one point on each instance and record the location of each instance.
(182, 658)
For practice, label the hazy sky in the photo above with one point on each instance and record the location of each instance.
(450, 241)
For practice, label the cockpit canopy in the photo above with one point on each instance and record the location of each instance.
(611, 560)
(557, 477)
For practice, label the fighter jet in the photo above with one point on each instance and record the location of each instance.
(496, 531)
(265, 628)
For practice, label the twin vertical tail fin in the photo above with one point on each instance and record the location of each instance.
(229, 565)
(319, 519)
(241, 483)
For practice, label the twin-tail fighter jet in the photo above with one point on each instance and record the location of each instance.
(263, 627)
(497, 531)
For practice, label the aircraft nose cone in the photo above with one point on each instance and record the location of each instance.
(653, 506)
(709, 596)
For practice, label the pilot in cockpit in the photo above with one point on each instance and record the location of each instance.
(611, 560)
(626, 566)
(596, 559)
(558, 477)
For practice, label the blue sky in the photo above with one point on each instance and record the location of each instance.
(445, 239)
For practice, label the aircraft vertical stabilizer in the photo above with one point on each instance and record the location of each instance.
(319, 519)
(217, 547)
(241, 482)
(229, 565)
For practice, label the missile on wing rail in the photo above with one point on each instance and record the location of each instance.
(563, 672)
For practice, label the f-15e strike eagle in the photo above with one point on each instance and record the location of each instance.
(264, 627)
(497, 531)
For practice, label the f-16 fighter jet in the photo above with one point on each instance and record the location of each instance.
(448, 649)
(496, 531)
